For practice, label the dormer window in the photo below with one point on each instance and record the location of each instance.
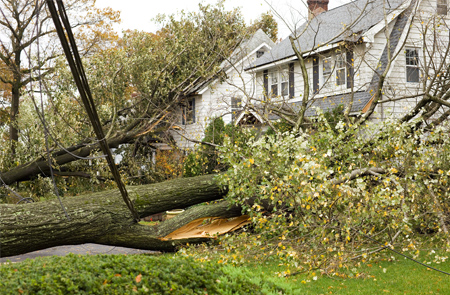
(441, 7)
(259, 53)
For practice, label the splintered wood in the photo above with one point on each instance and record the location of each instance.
(208, 227)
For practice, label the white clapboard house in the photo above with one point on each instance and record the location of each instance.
(219, 97)
(346, 48)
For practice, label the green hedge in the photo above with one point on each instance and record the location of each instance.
(121, 274)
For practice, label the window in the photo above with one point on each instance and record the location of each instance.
(236, 107)
(274, 84)
(337, 70)
(279, 80)
(441, 7)
(341, 69)
(284, 82)
(188, 112)
(412, 65)
(327, 68)
(259, 53)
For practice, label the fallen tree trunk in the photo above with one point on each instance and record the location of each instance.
(40, 166)
(103, 217)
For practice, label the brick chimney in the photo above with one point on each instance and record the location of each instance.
(316, 7)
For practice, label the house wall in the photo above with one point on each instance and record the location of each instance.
(429, 35)
(367, 56)
(216, 101)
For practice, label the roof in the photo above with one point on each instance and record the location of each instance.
(346, 22)
(327, 104)
(246, 47)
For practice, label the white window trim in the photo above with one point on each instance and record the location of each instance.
(327, 76)
(329, 80)
(342, 67)
(412, 66)
(282, 78)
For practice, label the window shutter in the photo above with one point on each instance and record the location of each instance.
(350, 68)
(442, 7)
(193, 110)
(183, 114)
(316, 74)
(291, 81)
(266, 83)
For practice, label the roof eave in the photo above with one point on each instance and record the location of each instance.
(369, 35)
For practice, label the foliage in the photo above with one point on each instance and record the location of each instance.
(281, 126)
(27, 25)
(205, 160)
(306, 209)
(143, 167)
(120, 274)
(138, 82)
(268, 24)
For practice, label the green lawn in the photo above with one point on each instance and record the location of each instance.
(386, 277)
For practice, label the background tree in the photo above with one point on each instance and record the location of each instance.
(23, 23)
(139, 83)
(268, 24)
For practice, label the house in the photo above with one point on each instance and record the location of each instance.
(347, 49)
(218, 97)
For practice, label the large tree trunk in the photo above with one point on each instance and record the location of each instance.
(40, 166)
(103, 217)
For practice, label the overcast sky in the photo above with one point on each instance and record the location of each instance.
(137, 14)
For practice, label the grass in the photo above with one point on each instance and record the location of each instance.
(391, 275)
(400, 276)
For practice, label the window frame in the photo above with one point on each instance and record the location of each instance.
(415, 65)
(340, 67)
(326, 76)
(273, 85)
(236, 107)
(282, 84)
(188, 112)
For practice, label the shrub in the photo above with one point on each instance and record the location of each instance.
(205, 160)
(120, 274)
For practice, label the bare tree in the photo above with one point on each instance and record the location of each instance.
(25, 22)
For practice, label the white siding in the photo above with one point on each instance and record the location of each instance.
(215, 101)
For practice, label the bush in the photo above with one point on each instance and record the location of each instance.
(120, 274)
(206, 159)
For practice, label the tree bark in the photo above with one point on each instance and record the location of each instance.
(104, 218)
(40, 166)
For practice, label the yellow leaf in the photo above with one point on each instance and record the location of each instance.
(138, 278)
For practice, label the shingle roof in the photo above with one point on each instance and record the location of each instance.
(327, 104)
(360, 15)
